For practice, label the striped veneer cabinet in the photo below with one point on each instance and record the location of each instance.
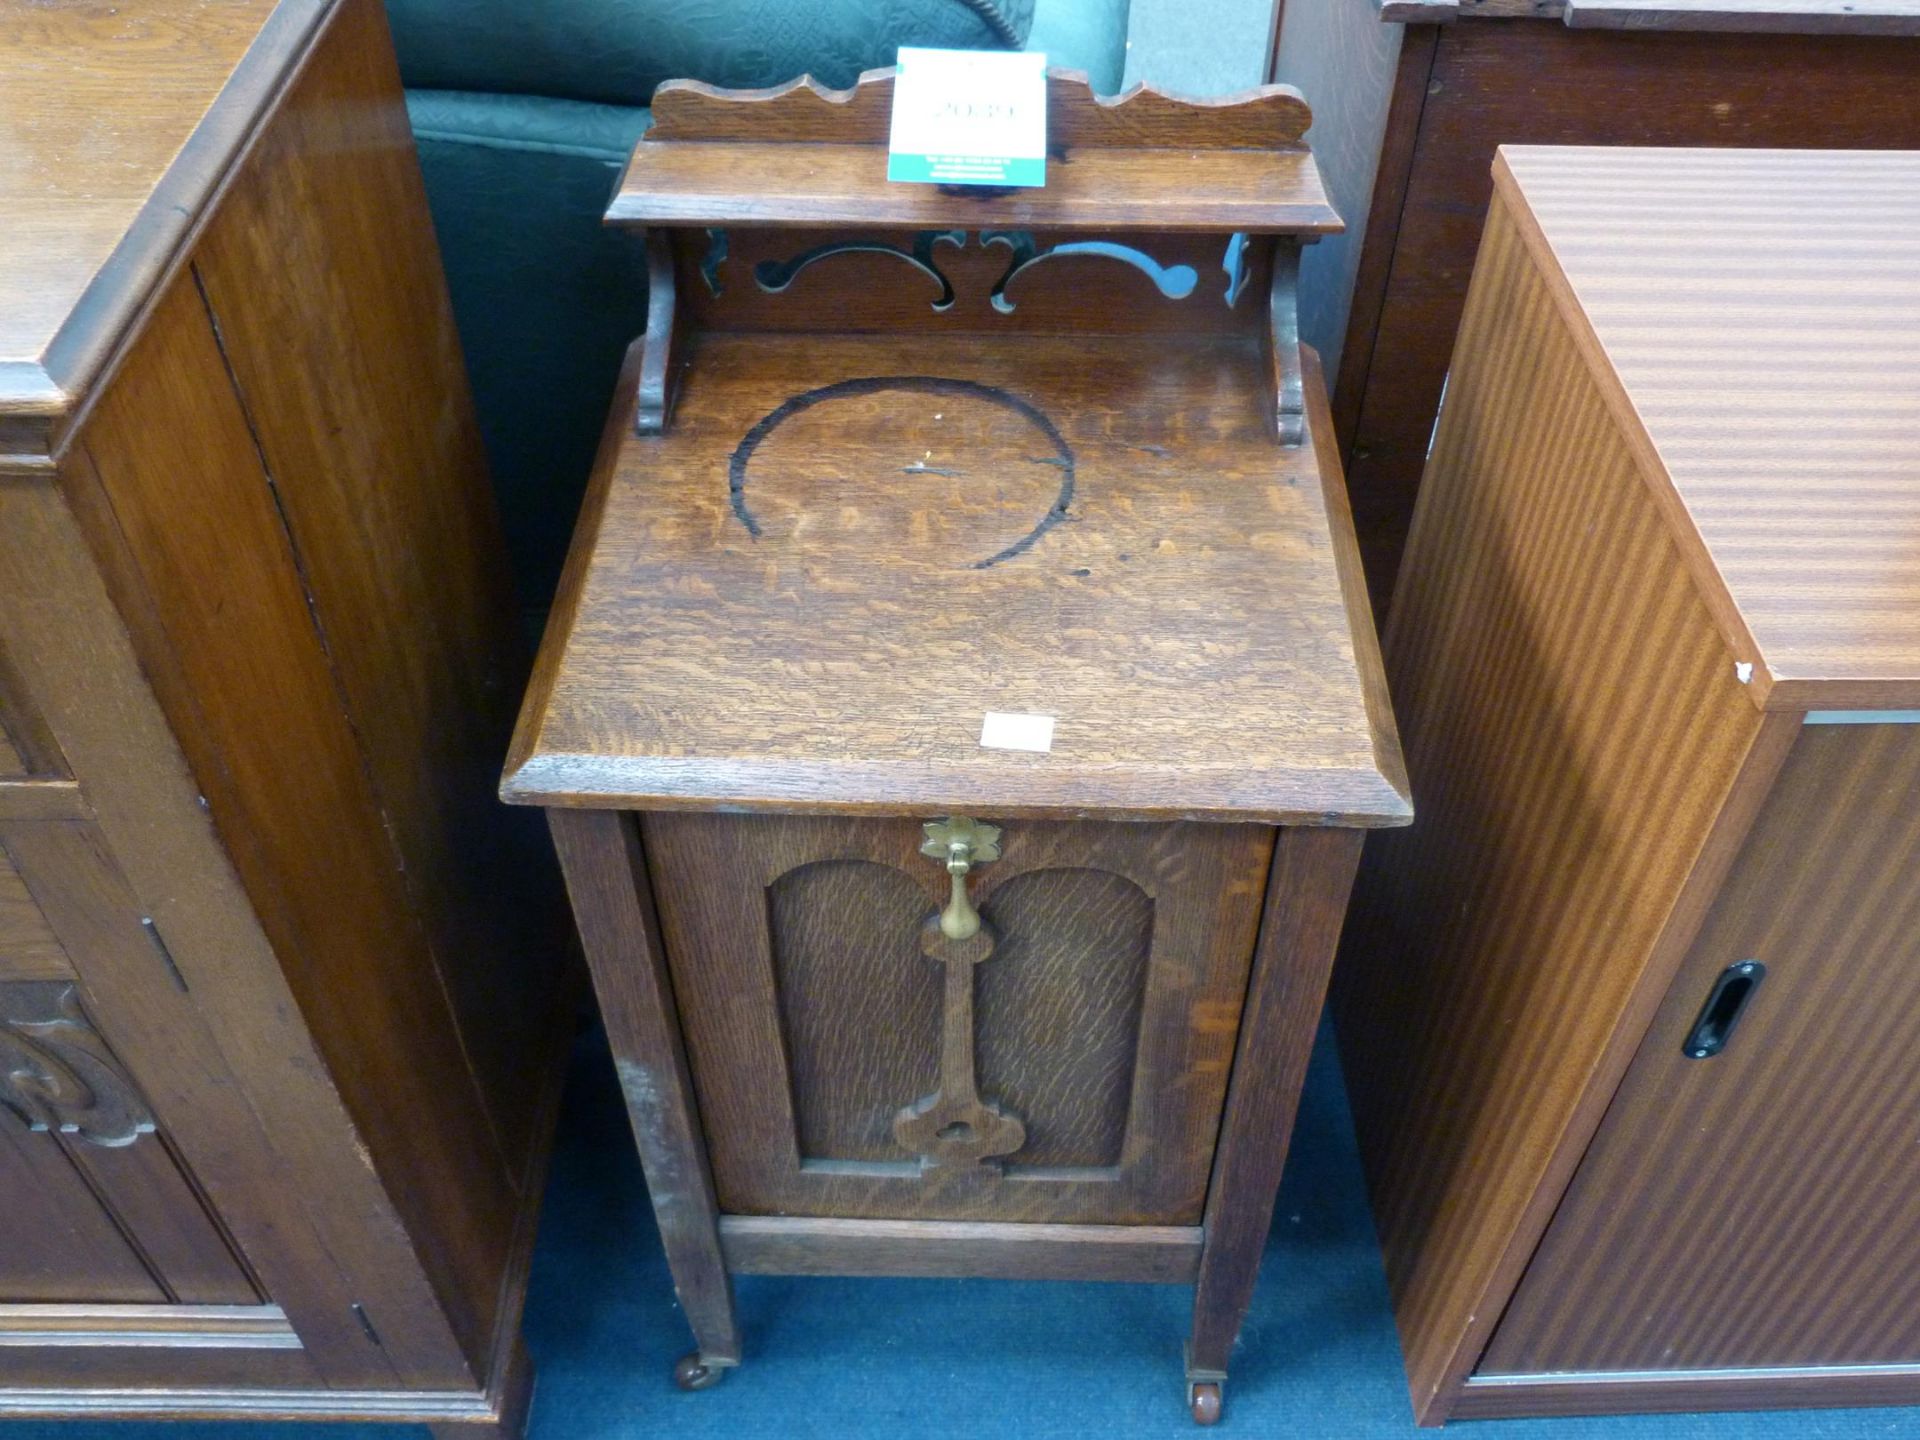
(1631, 1016)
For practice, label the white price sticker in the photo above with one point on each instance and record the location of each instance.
(1001, 731)
(969, 117)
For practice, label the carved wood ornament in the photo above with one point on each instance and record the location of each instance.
(953, 1128)
(56, 1072)
(1132, 171)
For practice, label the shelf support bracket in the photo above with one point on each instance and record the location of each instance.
(1283, 347)
(657, 357)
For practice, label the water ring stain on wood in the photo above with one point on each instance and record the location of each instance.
(920, 384)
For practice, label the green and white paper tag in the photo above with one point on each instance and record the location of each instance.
(969, 117)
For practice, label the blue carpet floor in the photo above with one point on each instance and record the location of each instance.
(975, 1358)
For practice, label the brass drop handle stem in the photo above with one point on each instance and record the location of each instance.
(960, 844)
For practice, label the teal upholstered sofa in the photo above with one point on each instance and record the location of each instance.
(525, 111)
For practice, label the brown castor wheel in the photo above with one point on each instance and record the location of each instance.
(1203, 1398)
(690, 1372)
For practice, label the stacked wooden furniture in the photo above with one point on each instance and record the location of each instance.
(1656, 648)
(888, 459)
(277, 978)
(1412, 96)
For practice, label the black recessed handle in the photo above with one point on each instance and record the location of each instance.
(1726, 1003)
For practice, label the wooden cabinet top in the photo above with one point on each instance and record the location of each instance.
(117, 121)
(847, 550)
(1789, 17)
(1754, 319)
(905, 476)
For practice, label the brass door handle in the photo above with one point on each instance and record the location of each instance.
(960, 844)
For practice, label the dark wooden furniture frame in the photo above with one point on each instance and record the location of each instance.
(1412, 97)
(283, 998)
(1129, 328)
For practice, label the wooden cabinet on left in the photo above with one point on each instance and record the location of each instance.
(283, 989)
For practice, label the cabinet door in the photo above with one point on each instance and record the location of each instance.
(1100, 1020)
(98, 1207)
(1760, 1206)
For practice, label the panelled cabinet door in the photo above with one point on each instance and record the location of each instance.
(831, 1031)
(1752, 1198)
(97, 1206)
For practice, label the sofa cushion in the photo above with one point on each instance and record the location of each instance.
(616, 51)
(546, 297)
(1089, 35)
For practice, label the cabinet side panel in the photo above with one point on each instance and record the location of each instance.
(225, 629)
(1573, 729)
(291, 460)
(322, 277)
(172, 959)
(1761, 1207)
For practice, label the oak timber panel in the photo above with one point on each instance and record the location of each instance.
(1762, 1207)
(216, 1037)
(1059, 1009)
(58, 1242)
(1574, 728)
(70, 192)
(1695, 272)
(154, 1201)
(89, 1178)
(1157, 1081)
(380, 479)
(944, 281)
(1090, 528)
(214, 587)
(1509, 82)
(26, 745)
(29, 950)
(859, 1007)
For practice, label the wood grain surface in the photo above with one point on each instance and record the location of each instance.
(962, 280)
(216, 1040)
(1105, 1017)
(1744, 17)
(29, 950)
(1468, 87)
(1267, 117)
(215, 597)
(1789, 17)
(1586, 761)
(407, 582)
(1761, 1208)
(1791, 487)
(809, 1245)
(798, 154)
(257, 665)
(613, 901)
(1306, 901)
(119, 122)
(1181, 613)
(759, 183)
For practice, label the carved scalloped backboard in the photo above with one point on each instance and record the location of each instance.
(1268, 117)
